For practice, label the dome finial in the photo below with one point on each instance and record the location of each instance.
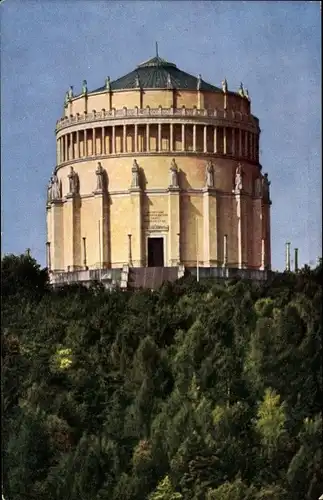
(157, 49)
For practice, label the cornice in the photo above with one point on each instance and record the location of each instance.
(198, 154)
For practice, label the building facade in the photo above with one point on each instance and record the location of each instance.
(157, 169)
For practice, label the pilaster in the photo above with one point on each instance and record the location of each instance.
(210, 229)
(241, 200)
(174, 226)
(102, 220)
(136, 226)
(56, 236)
(72, 232)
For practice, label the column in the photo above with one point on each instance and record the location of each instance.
(210, 229)
(136, 226)
(205, 139)
(85, 143)
(183, 137)
(159, 137)
(240, 143)
(246, 134)
(251, 145)
(174, 226)
(171, 137)
(147, 138)
(71, 152)
(65, 147)
(136, 138)
(113, 139)
(93, 142)
(194, 138)
(215, 140)
(57, 152)
(62, 149)
(102, 142)
(225, 149)
(233, 139)
(124, 137)
(78, 155)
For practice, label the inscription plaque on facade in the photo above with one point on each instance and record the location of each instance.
(155, 220)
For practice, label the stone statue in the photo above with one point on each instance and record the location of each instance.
(49, 190)
(265, 187)
(199, 82)
(169, 81)
(73, 184)
(66, 99)
(108, 83)
(241, 90)
(238, 178)
(55, 187)
(225, 86)
(70, 92)
(99, 177)
(246, 94)
(173, 174)
(135, 175)
(258, 187)
(209, 174)
(84, 87)
(137, 81)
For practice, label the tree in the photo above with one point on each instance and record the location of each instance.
(165, 491)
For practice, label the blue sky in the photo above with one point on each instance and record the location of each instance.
(274, 48)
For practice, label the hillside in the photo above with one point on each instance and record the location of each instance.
(197, 391)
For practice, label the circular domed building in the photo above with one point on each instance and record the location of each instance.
(157, 169)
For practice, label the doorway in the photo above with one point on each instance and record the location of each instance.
(155, 252)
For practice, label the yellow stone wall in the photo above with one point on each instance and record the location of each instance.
(93, 229)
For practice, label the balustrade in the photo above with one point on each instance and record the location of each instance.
(146, 112)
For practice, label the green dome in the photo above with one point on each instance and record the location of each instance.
(157, 73)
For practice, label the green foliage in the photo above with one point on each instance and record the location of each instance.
(195, 391)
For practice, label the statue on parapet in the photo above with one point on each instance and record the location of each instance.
(73, 181)
(169, 81)
(225, 86)
(50, 190)
(56, 188)
(238, 179)
(199, 82)
(265, 187)
(99, 177)
(84, 87)
(137, 82)
(66, 99)
(209, 174)
(135, 175)
(108, 83)
(241, 90)
(173, 174)
(70, 93)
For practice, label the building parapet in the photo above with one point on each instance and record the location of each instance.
(155, 112)
(113, 278)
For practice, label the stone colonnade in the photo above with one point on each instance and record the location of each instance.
(158, 137)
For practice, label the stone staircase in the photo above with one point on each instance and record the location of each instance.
(151, 277)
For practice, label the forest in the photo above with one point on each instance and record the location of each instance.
(194, 391)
